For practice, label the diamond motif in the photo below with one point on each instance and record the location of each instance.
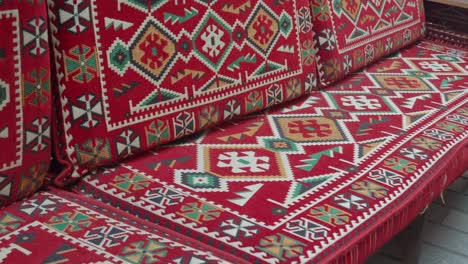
(201, 182)
(143, 5)
(213, 40)
(309, 129)
(281, 145)
(351, 8)
(152, 51)
(263, 29)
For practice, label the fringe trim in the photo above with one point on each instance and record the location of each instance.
(361, 247)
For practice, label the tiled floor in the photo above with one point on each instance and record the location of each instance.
(445, 233)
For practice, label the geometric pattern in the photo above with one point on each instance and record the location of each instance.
(172, 69)
(25, 104)
(292, 183)
(352, 34)
(78, 227)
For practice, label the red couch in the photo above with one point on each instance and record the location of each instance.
(295, 131)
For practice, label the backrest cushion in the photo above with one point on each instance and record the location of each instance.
(135, 74)
(350, 34)
(24, 98)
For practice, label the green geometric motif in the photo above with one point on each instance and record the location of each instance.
(157, 133)
(280, 145)
(254, 102)
(199, 212)
(201, 182)
(9, 223)
(37, 87)
(310, 163)
(286, 24)
(212, 40)
(81, 64)
(158, 96)
(330, 215)
(267, 67)
(448, 58)
(70, 221)
(400, 165)
(119, 57)
(145, 252)
(93, 152)
(130, 182)
(426, 143)
(189, 14)
(4, 94)
(299, 188)
(281, 246)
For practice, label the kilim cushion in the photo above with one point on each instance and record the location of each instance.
(327, 177)
(350, 34)
(24, 98)
(130, 83)
(59, 227)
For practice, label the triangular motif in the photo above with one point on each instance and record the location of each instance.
(403, 17)
(367, 148)
(244, 196)
(447, 97)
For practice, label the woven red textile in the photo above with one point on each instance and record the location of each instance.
(130, 83)
(24, 98)
(351, 34)
(317, 179)
(59, 227)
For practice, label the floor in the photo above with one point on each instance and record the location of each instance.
(445, 233)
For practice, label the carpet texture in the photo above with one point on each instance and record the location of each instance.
(351, 34)
(59, 227)
(318, 179)
(128, 84)
(24, 99)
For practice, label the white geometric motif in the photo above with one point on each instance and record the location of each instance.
(458, 119)
(438, 134)
(414, 153)
(88, 110)
(350, 201)
(38, 37)
(130, 144)
(307, 229)
(239, 162)
(213, 43)
(235, 229)
(76, 16)
(39, 135)
(386, 177)
(436, 66)
(361, 102)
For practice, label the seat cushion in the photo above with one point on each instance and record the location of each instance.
(317, 179)
(351, 34)
(24, 98)
(77, 229)
(128, 84)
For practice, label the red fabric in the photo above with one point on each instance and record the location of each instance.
(77, 229)
(351, 34)
(318, 179)
(130, 83)
(24, 98)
